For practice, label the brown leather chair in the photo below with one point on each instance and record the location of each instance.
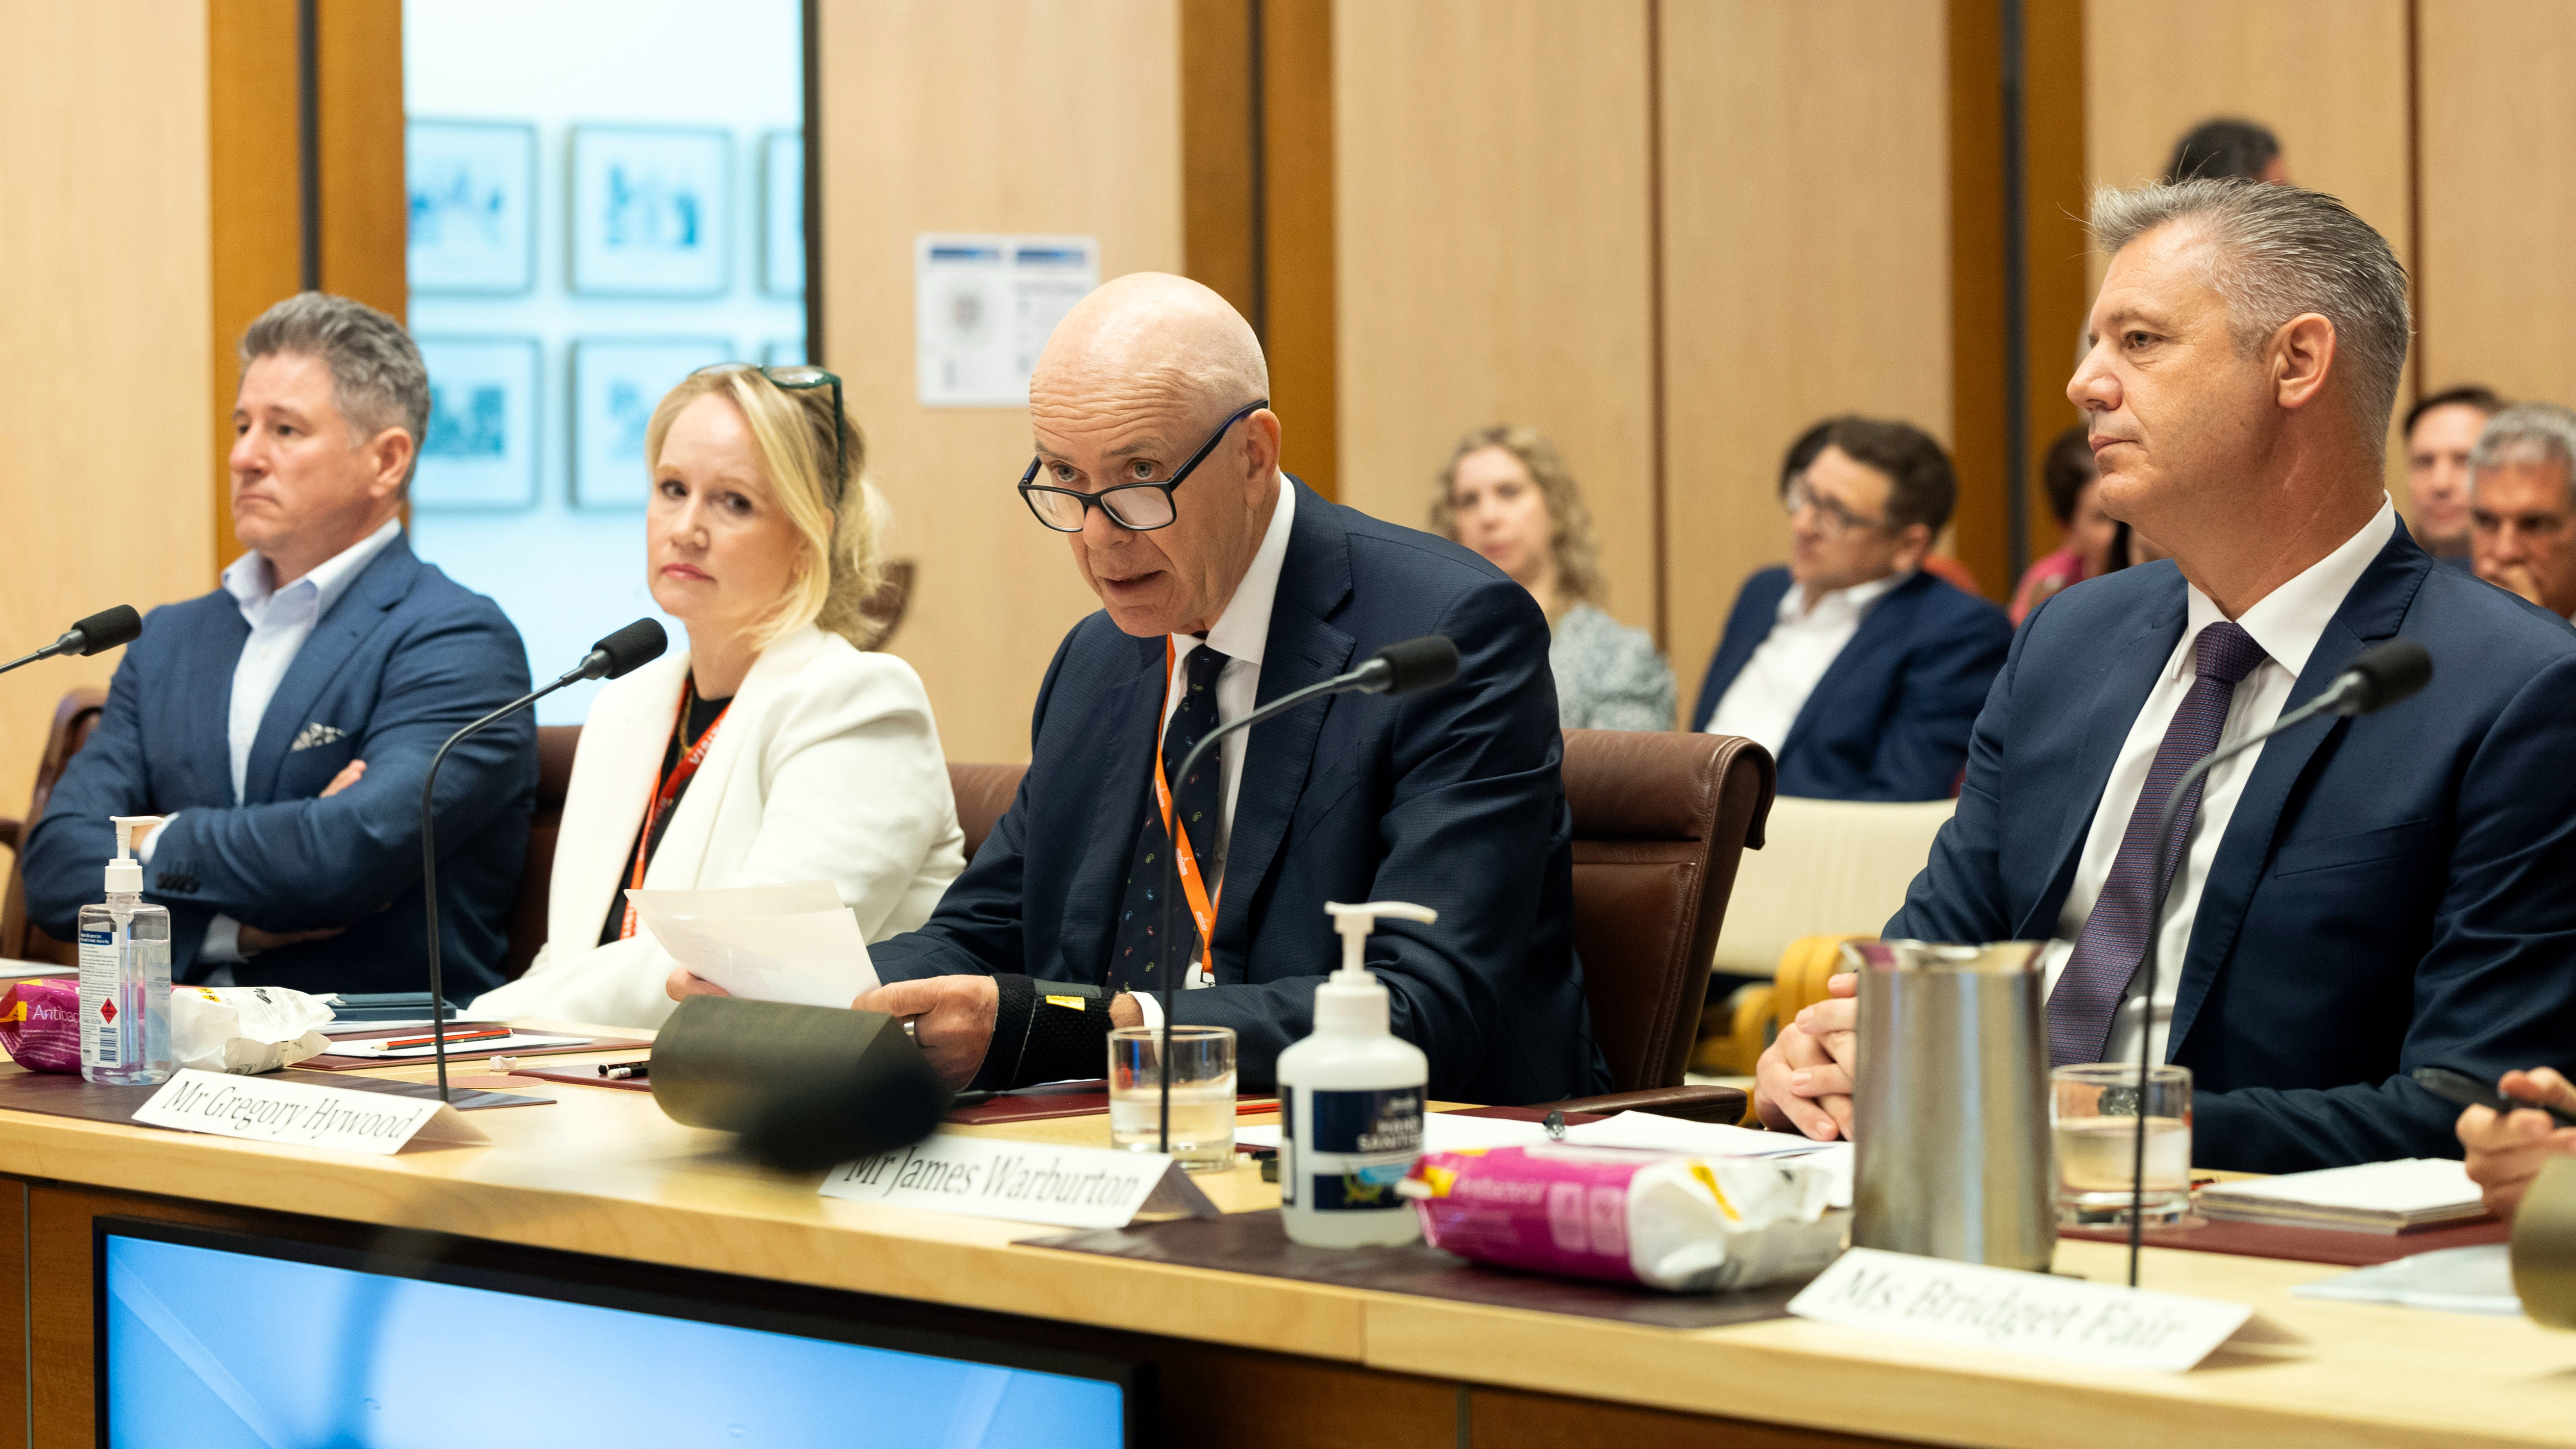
(983, 793)
(555, 747)
(74, 718)
(1660, 820)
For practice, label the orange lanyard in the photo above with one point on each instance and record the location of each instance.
(1193, 885)
(668, 795)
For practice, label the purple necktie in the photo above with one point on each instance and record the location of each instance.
(2115, 936)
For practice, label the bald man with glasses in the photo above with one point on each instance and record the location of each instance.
(1861, 672)
(1226, 584)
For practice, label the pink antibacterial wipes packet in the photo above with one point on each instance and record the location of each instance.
(40, 1025)
(1688, 1224)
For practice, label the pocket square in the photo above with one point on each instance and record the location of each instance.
(315, 734)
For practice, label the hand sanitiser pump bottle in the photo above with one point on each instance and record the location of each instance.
(1350, 1104)
(125, 974)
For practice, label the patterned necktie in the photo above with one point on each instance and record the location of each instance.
(1138, 951)
(2115, 936)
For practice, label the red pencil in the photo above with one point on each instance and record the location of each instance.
(489, 1033)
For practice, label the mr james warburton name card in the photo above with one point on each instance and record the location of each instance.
(988, 1177)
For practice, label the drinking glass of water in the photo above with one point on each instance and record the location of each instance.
(1202, 1094)
(2093, 1113)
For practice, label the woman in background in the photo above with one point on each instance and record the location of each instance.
(769, 750)
(2074, 495)
(1507, 494)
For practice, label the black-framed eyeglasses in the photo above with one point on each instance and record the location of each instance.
(796, 379)
(1136, 507)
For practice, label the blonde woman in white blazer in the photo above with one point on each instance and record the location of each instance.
(771, 749)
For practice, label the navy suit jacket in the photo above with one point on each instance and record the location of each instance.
(1890, 719)
(404, 658)
(1451, 799)
(2393, 891)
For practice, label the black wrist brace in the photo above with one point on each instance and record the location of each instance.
(1044, 1031)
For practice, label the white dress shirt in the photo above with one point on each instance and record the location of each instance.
(2287, 622)
(1239, 634)
(1763, 702)
(280, 621)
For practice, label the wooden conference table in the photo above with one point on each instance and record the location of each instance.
(1247, 1360)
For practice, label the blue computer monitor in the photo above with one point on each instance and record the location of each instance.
(210, 1339)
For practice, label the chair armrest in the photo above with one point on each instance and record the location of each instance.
(11, 830)
(1690, 1103)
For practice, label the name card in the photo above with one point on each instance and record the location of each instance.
(1997, 1308)
(267, 1110)
(990, 1177)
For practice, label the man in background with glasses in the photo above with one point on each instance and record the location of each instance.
(1225, 584)
(1861, 672)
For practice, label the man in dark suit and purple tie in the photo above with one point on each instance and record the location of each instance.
(2354, 899)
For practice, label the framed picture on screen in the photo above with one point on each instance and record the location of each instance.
(481, 452)
(616, 384)
(650, 211)
(782, 213)
(470, 194)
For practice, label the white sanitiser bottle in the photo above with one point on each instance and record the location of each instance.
(125, 974)
(1350, 1104)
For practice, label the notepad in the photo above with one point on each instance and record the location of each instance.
(2376, 1197)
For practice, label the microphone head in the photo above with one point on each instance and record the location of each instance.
(1418, 664)
(627, 650)
(108, 628)
(2387, 674)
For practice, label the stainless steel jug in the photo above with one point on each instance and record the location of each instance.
(1950, 1103)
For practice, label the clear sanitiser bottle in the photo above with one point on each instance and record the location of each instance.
(125, 974)
(1350, 1104)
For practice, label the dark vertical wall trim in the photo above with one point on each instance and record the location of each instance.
(308, 134)
(813, 68)
(1656, 402)
(1257, 168)
(2016, 305)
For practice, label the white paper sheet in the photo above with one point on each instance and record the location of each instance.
(794, 943)
(2454, 1280)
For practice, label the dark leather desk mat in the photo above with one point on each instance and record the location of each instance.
(2304, 1245)
(65, 1094)
(1256, 1243)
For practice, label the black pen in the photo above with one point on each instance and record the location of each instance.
(626, 1071)
(2470, 1092)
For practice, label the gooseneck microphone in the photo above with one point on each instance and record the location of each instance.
(96, 634)
(2379, 678)
(1410, 667)
(620, 653)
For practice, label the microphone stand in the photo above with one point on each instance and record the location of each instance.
(2331, 700)
(1371, 678)
(429, 864)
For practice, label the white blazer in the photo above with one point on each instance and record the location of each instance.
(827, 767)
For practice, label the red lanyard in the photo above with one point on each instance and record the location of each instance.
(1193, 885)
(668, 794)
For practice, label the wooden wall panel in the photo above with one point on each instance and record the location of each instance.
(256, 235)
(1055, 116)
(1807, 263)
(1495, 259)
(104, 345)
(2328, 76)
(2498, 270)
(365, 221)
(1298, 321)
(15, 1366)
